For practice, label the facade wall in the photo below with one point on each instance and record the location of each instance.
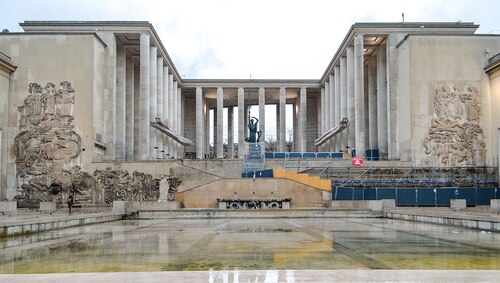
(51, 58)
(4, 93)
(457, 62)
(495, 115)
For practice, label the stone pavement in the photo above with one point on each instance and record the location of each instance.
(269, 276)
(353, 275)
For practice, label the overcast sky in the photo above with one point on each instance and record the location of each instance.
(263, 38)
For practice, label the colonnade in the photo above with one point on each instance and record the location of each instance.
(148, 90)
(344, 95)
(144, 91)
(202, 116)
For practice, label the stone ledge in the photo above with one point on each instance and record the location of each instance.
(495, 205)
(374, 205)
(458, 204)
(8, 208)
(47, 207)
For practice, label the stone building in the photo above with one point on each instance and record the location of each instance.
(425, 93)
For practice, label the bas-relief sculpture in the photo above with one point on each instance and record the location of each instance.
(47, 145)
(120, 185)
(47, 150)
(455, 137)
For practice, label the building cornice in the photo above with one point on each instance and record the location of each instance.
(245, 83)
(386, 28)
(95, 26)
(5, 64)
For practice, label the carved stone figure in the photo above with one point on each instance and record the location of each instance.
(120, 185)
(173, 184)
(47, 145)
(455, 137)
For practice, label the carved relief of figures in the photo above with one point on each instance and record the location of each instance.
(455, 137)
(173, 183)
(120, 185)
(47, 145)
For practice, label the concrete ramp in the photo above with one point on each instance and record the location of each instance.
(343, 124)
(162, 127)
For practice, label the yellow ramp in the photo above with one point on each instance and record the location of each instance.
(303, 178)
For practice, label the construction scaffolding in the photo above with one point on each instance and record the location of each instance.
(253, 157)
(391, 175)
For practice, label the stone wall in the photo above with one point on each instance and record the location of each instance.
(206, 196)
(452, 114)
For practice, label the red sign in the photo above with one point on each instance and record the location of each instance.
(357, 161)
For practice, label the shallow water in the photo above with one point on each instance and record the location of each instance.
(175, 245)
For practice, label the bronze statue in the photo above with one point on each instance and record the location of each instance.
(254, 135)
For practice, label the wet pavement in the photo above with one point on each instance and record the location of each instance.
(256, 250)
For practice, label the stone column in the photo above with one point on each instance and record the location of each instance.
(282, 133)
(241, 122)
(207, 127)
(262, 117)
(170, 113)
(230, 132)
(327, 114)
(392, 96)
(129, 109)
(351, 131)
(159, 104)
(214, 134)
(382, 101)
(179, 117)
(120, 102)
(359, 91)
(331, 107)
(175, 118)
(322, 109)
(295, 134)
(336, 98)
(498, 153)
(303, 120)
(343, 100)
(109, 92)
(144, 106)
(220, 123)
(321, 127)
(153, 147)
(278, 130)
(199, 123)
(137, 109)
(165, 109)
(372, 102)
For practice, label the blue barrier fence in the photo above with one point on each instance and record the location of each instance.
(419, 196)
(302, 155)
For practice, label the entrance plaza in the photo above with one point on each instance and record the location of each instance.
(383, 169)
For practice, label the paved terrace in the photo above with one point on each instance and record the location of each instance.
(25, 217)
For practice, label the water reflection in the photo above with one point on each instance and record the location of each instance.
(244, 244)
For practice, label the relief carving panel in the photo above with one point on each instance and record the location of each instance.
(455, 137)
(46, 152)
(47, 145)
(120, 185)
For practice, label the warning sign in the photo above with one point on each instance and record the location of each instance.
(357, 161)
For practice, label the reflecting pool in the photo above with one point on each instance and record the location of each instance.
(249, 244)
